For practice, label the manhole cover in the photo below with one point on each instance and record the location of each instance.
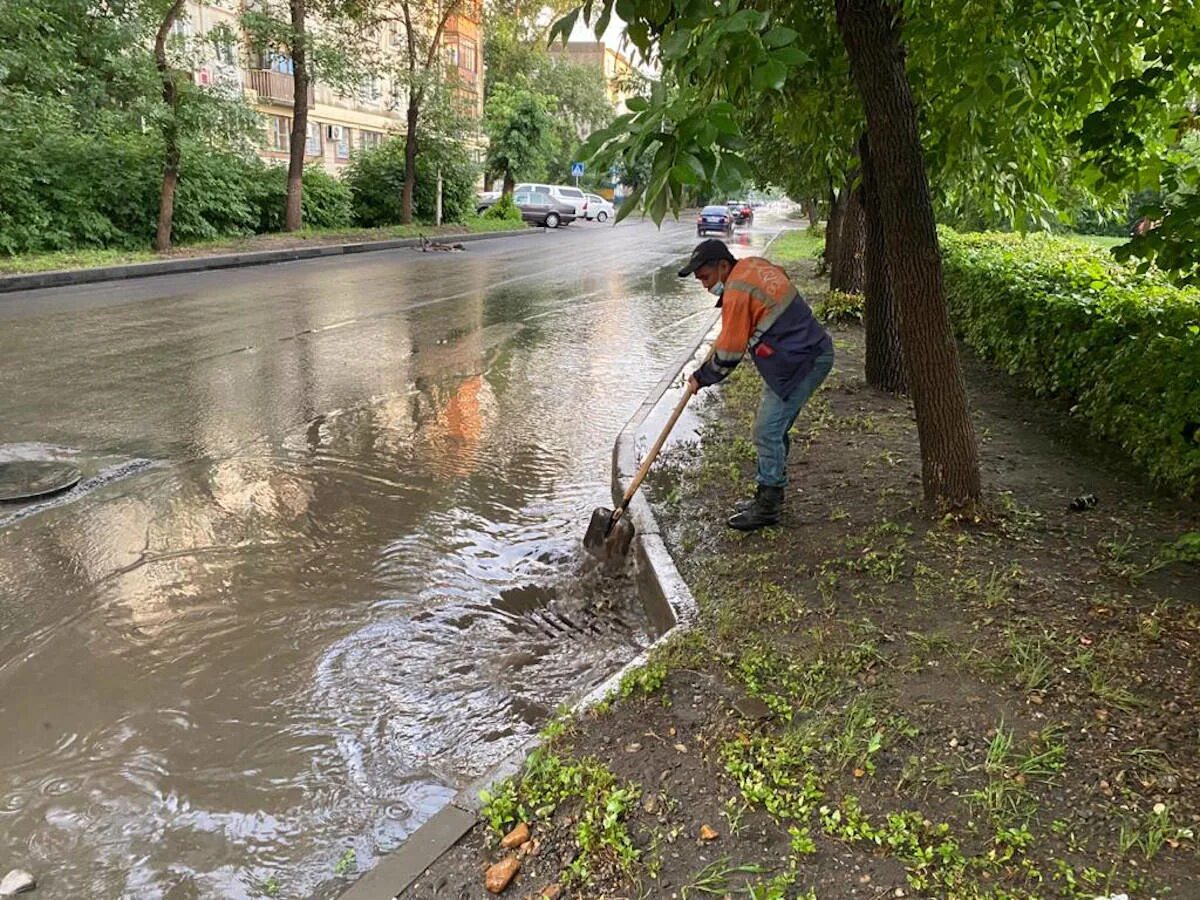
(26, 479)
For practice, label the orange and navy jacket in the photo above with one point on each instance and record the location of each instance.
(763, 314)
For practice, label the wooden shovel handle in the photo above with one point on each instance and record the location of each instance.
(645, 467)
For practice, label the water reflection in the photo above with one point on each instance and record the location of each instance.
(350, 580)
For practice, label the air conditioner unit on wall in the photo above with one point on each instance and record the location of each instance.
(336, 132)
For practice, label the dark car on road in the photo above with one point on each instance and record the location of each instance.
(538, 209)
(714, 218)
(743, 212)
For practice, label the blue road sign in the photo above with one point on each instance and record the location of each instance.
(576, 169)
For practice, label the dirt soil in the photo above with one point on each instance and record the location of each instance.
(876, 704)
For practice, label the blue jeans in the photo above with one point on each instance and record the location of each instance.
(775, 419)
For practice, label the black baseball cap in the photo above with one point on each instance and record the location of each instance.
(706, 252)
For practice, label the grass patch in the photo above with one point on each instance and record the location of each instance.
(795, 246)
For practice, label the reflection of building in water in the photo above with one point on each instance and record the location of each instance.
(461, 419)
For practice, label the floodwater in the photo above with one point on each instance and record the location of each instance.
(323, 568)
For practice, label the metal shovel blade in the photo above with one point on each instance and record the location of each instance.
(606, 539)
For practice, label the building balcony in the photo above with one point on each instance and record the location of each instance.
(277, 87)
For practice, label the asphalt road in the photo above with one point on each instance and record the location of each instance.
(323, 566)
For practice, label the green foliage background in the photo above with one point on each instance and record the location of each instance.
(375, 179)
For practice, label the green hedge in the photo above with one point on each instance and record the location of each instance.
(376, 181)
(101, 190)
(1072, 322)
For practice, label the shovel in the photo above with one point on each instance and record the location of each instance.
(610, 533)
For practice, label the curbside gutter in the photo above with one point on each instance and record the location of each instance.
(669, 605)
(668, 602)
(65, 277)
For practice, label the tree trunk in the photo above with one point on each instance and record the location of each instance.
(833, 230)
(885, 362)
(298, 141)
(847, 273)
(509, 183)
(949, 454)
(410, 162)
(171, 155)
(814, 211)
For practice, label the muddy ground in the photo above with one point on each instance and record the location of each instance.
(876, 704)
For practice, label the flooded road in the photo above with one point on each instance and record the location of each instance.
(324, 565)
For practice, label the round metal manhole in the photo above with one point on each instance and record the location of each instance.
(27, 479)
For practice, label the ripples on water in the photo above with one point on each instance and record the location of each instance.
(237, 664)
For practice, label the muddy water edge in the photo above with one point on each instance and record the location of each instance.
(323, 568)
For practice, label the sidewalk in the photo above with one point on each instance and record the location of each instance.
(877, 705)
(196, 259)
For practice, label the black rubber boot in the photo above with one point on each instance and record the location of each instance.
(743, 505)
(763, 511)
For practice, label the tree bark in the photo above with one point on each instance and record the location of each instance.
(298, 140)
(847, 272)
(509, 183)
(410, 162)
(870, 30)
(833, 231)
(885, 362)
(171, 153)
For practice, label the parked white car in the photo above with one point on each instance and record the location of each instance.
(561, 192)
(599, 209)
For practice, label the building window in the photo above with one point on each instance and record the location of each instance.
(371, 88)
(279, 132)
(467, 56)
(226, 52)
(452, 54)
(277, 62)
(312, 146)
(342, 146)
(368, 140)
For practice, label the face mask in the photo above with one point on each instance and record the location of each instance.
(717, 289)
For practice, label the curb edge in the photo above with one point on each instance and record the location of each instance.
(668, 602)
(31, 281)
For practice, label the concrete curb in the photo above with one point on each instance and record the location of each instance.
(65, 277)
(669, 604)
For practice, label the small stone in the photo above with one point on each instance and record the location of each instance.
(633, 748)
(671, 731)
(516, 837)
(18, 881)
(752, 708)
(551, 892)
(864, 879)
(859, 772)
(650, 804)
(499, 875)
(708, 834)
(1036, 699)
(681, 748)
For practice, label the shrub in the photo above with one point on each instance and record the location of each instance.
(326, 202)
(1072, 322)
(503, 209)
(376, 181)
(839, 307)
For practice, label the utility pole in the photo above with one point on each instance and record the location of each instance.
(437, 218)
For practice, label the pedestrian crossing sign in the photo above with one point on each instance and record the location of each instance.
(576, 169)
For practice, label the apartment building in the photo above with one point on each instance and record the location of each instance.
(339, 122)
(618, 71)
